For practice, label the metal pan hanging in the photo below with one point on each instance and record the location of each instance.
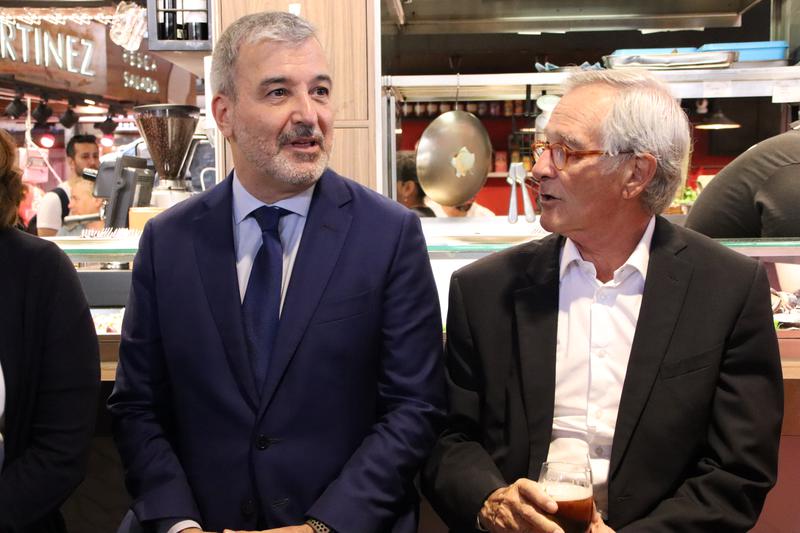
(453, 157)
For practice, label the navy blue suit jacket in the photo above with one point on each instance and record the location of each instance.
(355, 390)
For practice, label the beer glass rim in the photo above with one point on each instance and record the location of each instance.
(568, 466)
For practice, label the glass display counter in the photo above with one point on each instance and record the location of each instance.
(103, 267)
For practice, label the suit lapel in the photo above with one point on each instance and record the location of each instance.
(536, 316)
(664, 292)
(216, 260)
(323, 237)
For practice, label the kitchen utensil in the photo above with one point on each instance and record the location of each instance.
(520, 175)
(517, 175)
(512, 203)
(453, 158)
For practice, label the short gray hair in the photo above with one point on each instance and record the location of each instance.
(274, 26)
(644, 118)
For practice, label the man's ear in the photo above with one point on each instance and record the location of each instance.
(222, 109)
(644, 168)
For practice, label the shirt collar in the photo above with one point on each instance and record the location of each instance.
(244, 203)
(638, 259)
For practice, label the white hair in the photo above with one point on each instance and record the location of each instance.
(274, 26)
(644, 118)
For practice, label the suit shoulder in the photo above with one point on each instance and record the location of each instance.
(365, 198)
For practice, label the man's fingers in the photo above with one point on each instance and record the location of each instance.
(536, 521)
(533, 493)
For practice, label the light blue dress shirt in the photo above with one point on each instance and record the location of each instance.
(247, 233)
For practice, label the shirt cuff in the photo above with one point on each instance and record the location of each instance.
(170, 526)
(478, 524)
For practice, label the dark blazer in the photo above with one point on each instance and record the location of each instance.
(696, 441)
(355, 392)
(49, 355)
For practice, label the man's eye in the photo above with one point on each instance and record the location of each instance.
(322, 91)
(278, 92)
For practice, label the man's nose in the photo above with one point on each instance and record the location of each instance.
(305, 110)
(543, 168)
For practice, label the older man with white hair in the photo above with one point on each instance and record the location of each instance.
(621, 341)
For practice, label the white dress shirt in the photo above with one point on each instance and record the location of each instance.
(596, 325)
(246, 242)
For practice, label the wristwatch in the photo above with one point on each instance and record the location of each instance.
(318, 526)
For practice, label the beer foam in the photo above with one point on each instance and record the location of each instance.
(562, 491)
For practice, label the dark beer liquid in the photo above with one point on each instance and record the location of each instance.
(574, 516)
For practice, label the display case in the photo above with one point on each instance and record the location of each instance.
(103, 267)
(104, 270)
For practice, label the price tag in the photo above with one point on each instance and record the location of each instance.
(786, 91)
(717, 89)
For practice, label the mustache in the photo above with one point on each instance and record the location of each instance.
(301, 131)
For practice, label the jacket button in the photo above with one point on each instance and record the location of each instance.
(248, 508)
(262, 442)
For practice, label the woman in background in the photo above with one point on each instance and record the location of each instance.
(49, 370)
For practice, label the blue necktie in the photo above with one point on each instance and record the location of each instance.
(262, 301)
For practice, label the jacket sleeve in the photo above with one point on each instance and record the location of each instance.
(140, 404)
(66, 379)
(460, 474)
(378, 476)
(728, 485)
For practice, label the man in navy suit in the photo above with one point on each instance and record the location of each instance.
(318, 420)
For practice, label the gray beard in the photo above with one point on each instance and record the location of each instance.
(283, 170)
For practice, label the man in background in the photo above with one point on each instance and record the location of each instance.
(409, 191)
(756, 195)
(82, 202)
(82, 153)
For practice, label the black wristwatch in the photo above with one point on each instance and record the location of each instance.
(318, 526)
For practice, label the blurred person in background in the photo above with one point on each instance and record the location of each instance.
(409, 191)
(49, 370)
(82, 153)
(82, 202)
(470, 208)
(32, 195)
(756, 195)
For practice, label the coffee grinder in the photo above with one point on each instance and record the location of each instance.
(168, 129)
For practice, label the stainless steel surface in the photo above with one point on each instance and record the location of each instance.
(700, 83)
(512, 16)
(694, 60)
(453, 157)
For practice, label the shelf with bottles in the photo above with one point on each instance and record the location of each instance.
(483, 110)
(179, 25)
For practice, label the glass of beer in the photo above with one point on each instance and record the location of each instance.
(570, 485)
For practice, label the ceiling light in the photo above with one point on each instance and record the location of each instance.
(43, 136)
(69, 118)
(107, 126)
(90, 110)
(16, 108)
(42, 113)
(716, 121)
(107, 140)
(47, 140)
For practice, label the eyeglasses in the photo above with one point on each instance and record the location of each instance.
(561, 153)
